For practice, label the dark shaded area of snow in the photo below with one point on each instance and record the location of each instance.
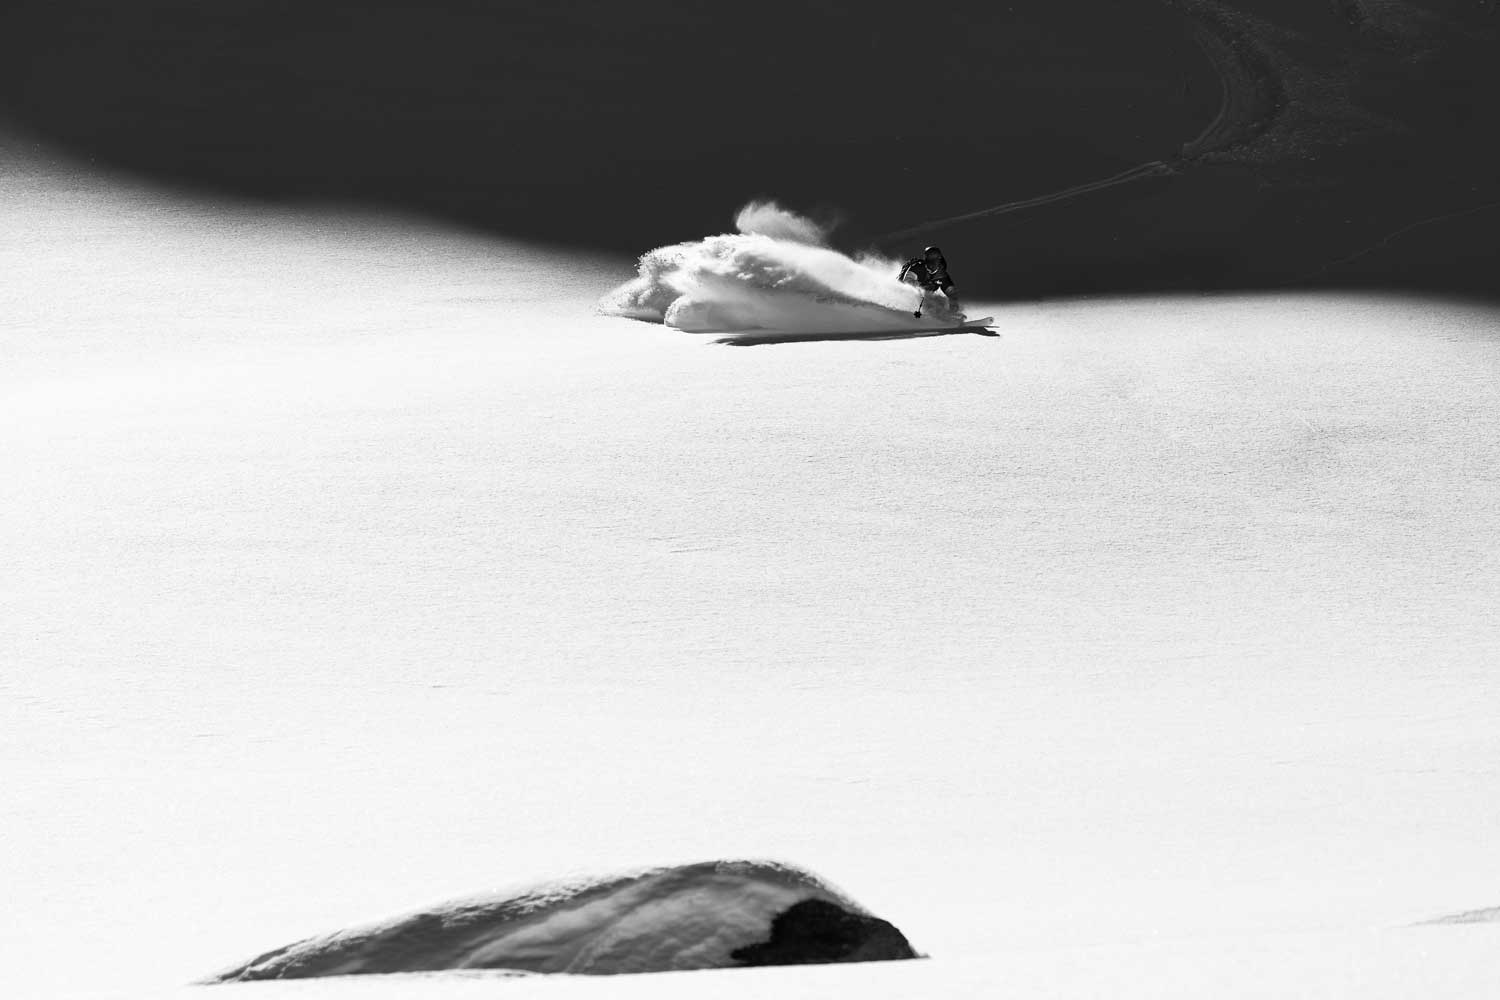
(1337, 143)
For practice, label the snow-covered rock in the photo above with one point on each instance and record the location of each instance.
(710, 915)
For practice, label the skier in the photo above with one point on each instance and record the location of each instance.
(930, 273)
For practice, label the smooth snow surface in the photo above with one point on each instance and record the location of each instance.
(703, 916)
(1367, 965)
(776, 275)
(351, 565)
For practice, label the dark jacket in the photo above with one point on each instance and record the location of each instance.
(930, 278)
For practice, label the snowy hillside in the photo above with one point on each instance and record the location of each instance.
(351, 565)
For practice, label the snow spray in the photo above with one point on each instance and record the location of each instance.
(776, 273)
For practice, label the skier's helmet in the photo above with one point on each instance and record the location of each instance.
(934, 253)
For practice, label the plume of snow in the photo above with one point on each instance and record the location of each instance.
(774, 274)
(766, 218)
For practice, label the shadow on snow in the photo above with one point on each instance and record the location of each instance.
(755, 338)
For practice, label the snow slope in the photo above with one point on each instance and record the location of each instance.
(352, 564)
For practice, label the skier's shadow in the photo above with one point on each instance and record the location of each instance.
(755, 338)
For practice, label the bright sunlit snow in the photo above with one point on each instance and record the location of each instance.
(352, 565)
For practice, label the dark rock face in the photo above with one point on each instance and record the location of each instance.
(817, 932)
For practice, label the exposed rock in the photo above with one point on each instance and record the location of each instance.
(703, 916)
(816, 932)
